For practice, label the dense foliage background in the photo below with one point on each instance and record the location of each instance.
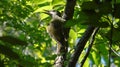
(24, 41)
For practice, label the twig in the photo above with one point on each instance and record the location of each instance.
(115, 52)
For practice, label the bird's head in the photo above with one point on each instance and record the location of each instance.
(52, 13)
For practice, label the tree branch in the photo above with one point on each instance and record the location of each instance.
(80, 46)
(90, 46)
(67, 15)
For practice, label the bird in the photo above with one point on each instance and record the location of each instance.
(55, 29)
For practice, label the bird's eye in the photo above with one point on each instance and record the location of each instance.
(53, 10)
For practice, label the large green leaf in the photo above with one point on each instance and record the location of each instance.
(115, 35)
(8, 52)
(56, 2)
(89, 6)
(28, 61)
(117, 10)
(13, 40)
(105, 8)
(2, 63)
(95, 11)
(96, 57)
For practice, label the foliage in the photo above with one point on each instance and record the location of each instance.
(25, 42)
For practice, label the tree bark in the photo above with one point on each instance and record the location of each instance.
(67, 15)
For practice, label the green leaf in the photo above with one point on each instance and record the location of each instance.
(117, 1)
(70, 23)
(43, 4)
(105, 8)
(117, 10)
(115, 37)
(93, 18)
(13, 40)
(52, 57)
(8, 52)
(2, 63)
(103, 24)
(73, 36)
(28, 61)
(96, 57)
(82, 17)
(87, 64)
(58, 7)
(117, 61)
(89, 6)
(40, 1)
(97, 24)
(56, 2)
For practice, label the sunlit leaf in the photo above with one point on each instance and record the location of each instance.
(115, 35)
(73, 36)
(87, 63)
(54, 2)
(96, 57)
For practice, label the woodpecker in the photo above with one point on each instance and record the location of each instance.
(55, 28)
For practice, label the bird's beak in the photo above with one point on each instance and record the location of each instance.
(46, 12)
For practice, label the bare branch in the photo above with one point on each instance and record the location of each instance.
(80, 46)
(90, 45)
(115, 52)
